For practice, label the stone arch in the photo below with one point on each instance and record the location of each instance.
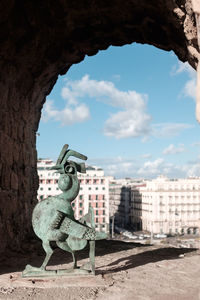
(41, 40)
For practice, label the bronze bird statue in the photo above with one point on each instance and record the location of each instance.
(53, 219)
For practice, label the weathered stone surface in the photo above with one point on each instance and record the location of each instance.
(40, 40)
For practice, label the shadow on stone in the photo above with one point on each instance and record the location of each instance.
(136, 260)
(15, 262)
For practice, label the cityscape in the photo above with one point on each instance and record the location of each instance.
(160, 206)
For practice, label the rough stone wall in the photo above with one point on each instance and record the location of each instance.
(18, 180)
(40, 40)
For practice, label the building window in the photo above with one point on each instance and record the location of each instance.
(96, 188)
(96, 197)
(80, 204)
(103, 197)
(41, 197)
(81, 197)
(104, 220)
(90, 198)
(80, 212)
(41, 189)
(49, 189)
(103, 188)
(97, 213)
(73, 204)
(103, 212)
(103, 204)
(96, 204)
(97, 220)
(89, 188)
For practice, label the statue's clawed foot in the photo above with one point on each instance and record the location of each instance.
(30, 270)
(86, 266)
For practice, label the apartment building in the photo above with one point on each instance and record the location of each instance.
(94, 191)
(120, 200)
(168, 206)
(48, 179)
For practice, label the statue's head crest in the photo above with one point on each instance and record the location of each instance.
(64, 166)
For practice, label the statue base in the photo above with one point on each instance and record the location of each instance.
(38, 272)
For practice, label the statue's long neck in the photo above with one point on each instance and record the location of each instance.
(72, 193)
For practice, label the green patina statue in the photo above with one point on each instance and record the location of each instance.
(53, 220)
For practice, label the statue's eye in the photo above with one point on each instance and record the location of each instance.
(70, 169)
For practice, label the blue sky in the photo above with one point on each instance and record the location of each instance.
(130, 109)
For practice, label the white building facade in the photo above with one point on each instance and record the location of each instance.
(94, 191)
(167, 206)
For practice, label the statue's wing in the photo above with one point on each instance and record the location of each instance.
(71, 227)
(75, 229)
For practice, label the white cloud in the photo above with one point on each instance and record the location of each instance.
(125, 124)
(169, 129)
(104, 91)
(196, 144)
(117, 77)
(116, 166)
(189, 89)
(194, 170)
(151, 167)
(69, 115)
(147, 155)
(183, 67)
(131, 121)
(122, 167)
(171, 149)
